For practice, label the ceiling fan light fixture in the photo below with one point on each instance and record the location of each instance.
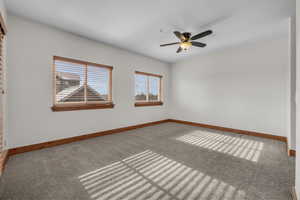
(185, 45)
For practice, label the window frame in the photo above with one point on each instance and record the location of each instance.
(148, 102)
(85, 105)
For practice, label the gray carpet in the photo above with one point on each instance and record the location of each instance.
(167, 161)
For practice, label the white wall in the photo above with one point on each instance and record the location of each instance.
(5, 127)
(31, 47)
(292, 42)
(244, 87)
(298, 101)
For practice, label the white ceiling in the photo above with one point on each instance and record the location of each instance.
(142, 25)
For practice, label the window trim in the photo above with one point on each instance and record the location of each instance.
(159, 102)
(87, 105)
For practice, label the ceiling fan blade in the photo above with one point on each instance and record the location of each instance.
(179, 35)
(201, 35)
(179, 50)
(163, 45)
(198, 44)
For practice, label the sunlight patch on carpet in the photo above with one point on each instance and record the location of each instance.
(235, 146)
(149, 175)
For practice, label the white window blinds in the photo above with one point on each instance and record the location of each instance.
(70, 79)
(154, 88)
(97, 84)
(141, 85)
(80, 82)
(147, 87)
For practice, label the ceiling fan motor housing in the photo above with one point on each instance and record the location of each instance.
(187, 35)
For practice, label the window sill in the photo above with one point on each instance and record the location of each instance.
(140, 104)
(58, 108)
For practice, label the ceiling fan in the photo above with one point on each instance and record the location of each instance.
(186, 40)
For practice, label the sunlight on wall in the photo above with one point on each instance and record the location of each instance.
(235, 146)
(149, 175)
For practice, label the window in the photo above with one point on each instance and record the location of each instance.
(81, 85)
(147, 89)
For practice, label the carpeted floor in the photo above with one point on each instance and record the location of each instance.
(167, 161)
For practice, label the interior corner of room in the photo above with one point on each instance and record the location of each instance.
(139, 100)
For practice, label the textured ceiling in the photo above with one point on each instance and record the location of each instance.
(142, 25)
